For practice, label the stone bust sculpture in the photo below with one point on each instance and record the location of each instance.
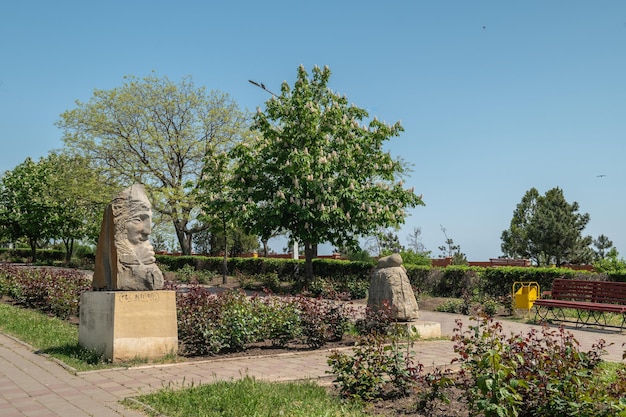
(125, 257)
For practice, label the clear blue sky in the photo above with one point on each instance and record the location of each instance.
(495, 97)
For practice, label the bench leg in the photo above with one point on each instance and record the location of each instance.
(544, 314)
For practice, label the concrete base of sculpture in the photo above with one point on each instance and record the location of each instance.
(421, 328)
(127, 325)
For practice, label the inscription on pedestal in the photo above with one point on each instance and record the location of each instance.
(141, 297)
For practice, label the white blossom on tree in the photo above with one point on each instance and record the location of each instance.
(318, 171)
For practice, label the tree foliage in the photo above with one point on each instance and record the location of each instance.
(603, 245)
(219, 202)
(25, 210)
(57, 197)
(547, 229)
(317, 171)
(80, 195)
(158, 133)
(384, 242)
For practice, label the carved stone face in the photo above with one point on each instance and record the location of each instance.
(125, 257)
(139, 227)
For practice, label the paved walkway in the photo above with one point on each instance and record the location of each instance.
(33, 385)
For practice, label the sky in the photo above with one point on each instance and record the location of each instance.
(495, 97)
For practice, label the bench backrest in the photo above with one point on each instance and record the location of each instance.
(607, 292)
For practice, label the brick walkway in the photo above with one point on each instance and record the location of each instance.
(33, 385)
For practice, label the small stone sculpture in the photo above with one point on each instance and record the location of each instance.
(125, 257)
(389, 282)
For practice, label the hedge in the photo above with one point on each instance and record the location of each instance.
(43, 255)
(286, 269)
(452, 281)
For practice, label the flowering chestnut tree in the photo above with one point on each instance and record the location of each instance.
(317, 171)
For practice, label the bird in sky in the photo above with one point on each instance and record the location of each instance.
(601, 175)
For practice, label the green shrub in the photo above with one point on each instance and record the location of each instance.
(377, 321)
(280, 320)
(410, 257)
(270, 281)
(240, 321)
(541, 373)
(490, 307)
(499, 281)
(48, 290)
(211, 323)
(322, 320)
(451, 306)
(374, 369)
(186, 273)
(344, 288)
(457, 280)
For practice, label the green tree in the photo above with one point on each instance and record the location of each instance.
(385, 242)
(547, 229)
(79, 195)
(25, 207)
(317, 172)
(515, 240)
(57, 197)
(611, 263)
(219, 203)
(603, 245)
(158, 133)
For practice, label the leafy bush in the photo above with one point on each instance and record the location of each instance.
(185, 273)
(357, 288)
(375, 369)
(457, 280)
(450, 306)
(377, 321)
(490, 307)
(198, 311)
(48, 290)
(348, 287)
(322, 320)
(240, 322)
(499, 281)
(322, 288)
(211, 323)
(410, 257)
(270, 281)
(535, 374)
(281, 320)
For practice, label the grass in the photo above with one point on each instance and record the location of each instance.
(49, 335)
(246, 397)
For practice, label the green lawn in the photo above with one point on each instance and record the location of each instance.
(247, 398)
(48, 335)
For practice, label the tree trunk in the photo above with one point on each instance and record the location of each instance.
(184, 238)
(225, 263)
(69, 248)
(309, 254)
(264, 242)
(33, 249)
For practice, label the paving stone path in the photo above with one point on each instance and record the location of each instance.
(35, 385)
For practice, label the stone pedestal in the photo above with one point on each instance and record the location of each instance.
(425, 329)
(126, 325)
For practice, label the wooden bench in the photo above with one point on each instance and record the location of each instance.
(591, 300)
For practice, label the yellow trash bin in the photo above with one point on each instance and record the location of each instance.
(525, 294)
